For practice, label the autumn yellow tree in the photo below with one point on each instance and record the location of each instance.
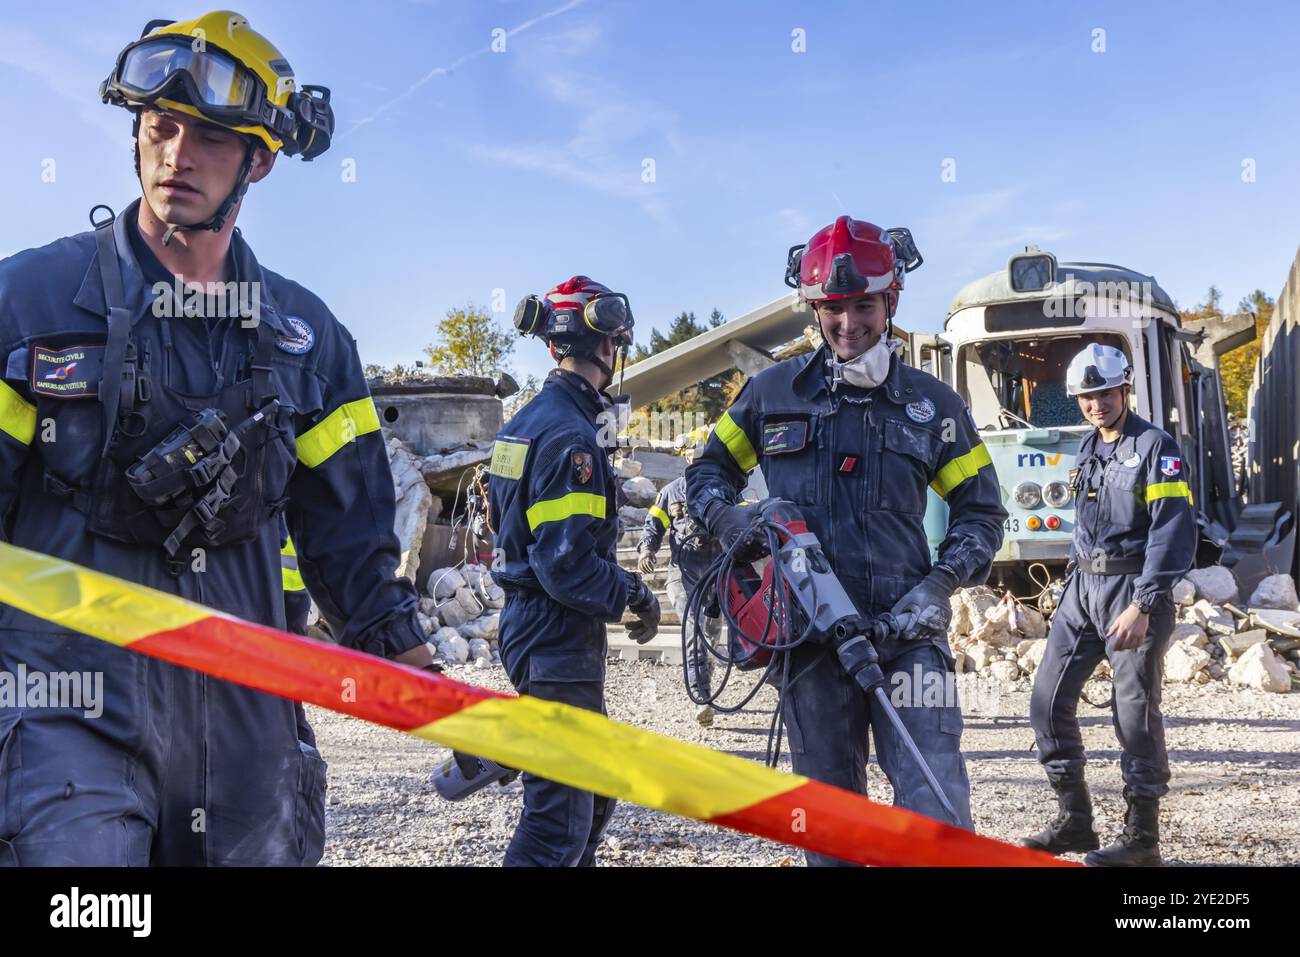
(1237, 368)
(470, 342)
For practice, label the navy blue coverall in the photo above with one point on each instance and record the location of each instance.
(181, 768)
(858, 463)
(1135, 537)
(553, 494)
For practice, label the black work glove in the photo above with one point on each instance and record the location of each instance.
(642, 602)
(731, 523)
(924, 611)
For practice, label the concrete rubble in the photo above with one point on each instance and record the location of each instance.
(413, 503)
(1275, 591)
(640, 491)
(1004, 639)
(462, 608)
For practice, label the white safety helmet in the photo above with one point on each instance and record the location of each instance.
(1096, 368)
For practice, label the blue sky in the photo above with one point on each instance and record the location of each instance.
(478, 171)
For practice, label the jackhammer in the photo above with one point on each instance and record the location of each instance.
(796, 599)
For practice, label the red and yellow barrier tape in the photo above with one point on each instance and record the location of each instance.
(563, 743)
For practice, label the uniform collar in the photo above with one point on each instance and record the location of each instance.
(90, 295)
(579, 389)
(810, 381)
(1133, 427)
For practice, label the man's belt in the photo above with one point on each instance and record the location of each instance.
(1104, 565)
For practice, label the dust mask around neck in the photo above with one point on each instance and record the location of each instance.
(866, 371)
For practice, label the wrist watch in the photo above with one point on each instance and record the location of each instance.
(1143, 605)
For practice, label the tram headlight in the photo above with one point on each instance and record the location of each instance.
(1028, 495)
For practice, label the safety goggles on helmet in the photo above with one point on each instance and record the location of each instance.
(222, 89)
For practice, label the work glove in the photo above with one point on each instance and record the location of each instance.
(642, 603)
(924, 612)
(646, 563)
(731, 523)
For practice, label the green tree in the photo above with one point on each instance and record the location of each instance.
(470, 342)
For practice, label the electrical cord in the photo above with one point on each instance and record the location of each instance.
(714, 585)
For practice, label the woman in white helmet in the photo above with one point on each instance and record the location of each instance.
(1134, 538)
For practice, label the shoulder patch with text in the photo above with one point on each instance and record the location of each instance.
(508, 456)
(69, 372)
(1170, 465)
(300, 341)
(922, 410)
(781, 437)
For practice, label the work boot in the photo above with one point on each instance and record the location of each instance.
(1072, 829)
(705, 717)
(1139, 844)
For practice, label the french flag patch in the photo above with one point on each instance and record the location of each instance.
(1170, 465)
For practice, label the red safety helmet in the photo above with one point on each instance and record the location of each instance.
(595, 305)
(852, 258)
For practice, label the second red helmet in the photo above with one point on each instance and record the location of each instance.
(851, 258)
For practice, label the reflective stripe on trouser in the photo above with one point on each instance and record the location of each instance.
(827, 716)
(554, 653)
(1075, 646)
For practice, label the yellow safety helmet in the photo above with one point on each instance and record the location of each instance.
(217, 68)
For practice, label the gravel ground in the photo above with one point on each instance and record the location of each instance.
(1235, 756)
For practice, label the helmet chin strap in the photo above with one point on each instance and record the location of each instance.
(563, 353)
(223, 211)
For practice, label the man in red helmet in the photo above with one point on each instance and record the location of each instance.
(855, 438)
(553, 492)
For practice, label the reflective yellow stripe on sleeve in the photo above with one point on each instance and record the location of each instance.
(658, 513)
(17, 415)
(343, 425)
(289, 574)
(960, 469)
(1168, 490)
(737, 443)
(558, 509)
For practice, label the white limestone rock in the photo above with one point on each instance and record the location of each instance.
(443, 583)
(640, 492)
(1183, 661)
(1215, 584)
(1259, 668)
(454, 649)
(1276, 591)
(1192, 634)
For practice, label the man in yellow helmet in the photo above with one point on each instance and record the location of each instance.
(165, 402)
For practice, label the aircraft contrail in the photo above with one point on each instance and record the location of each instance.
(444, 70)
